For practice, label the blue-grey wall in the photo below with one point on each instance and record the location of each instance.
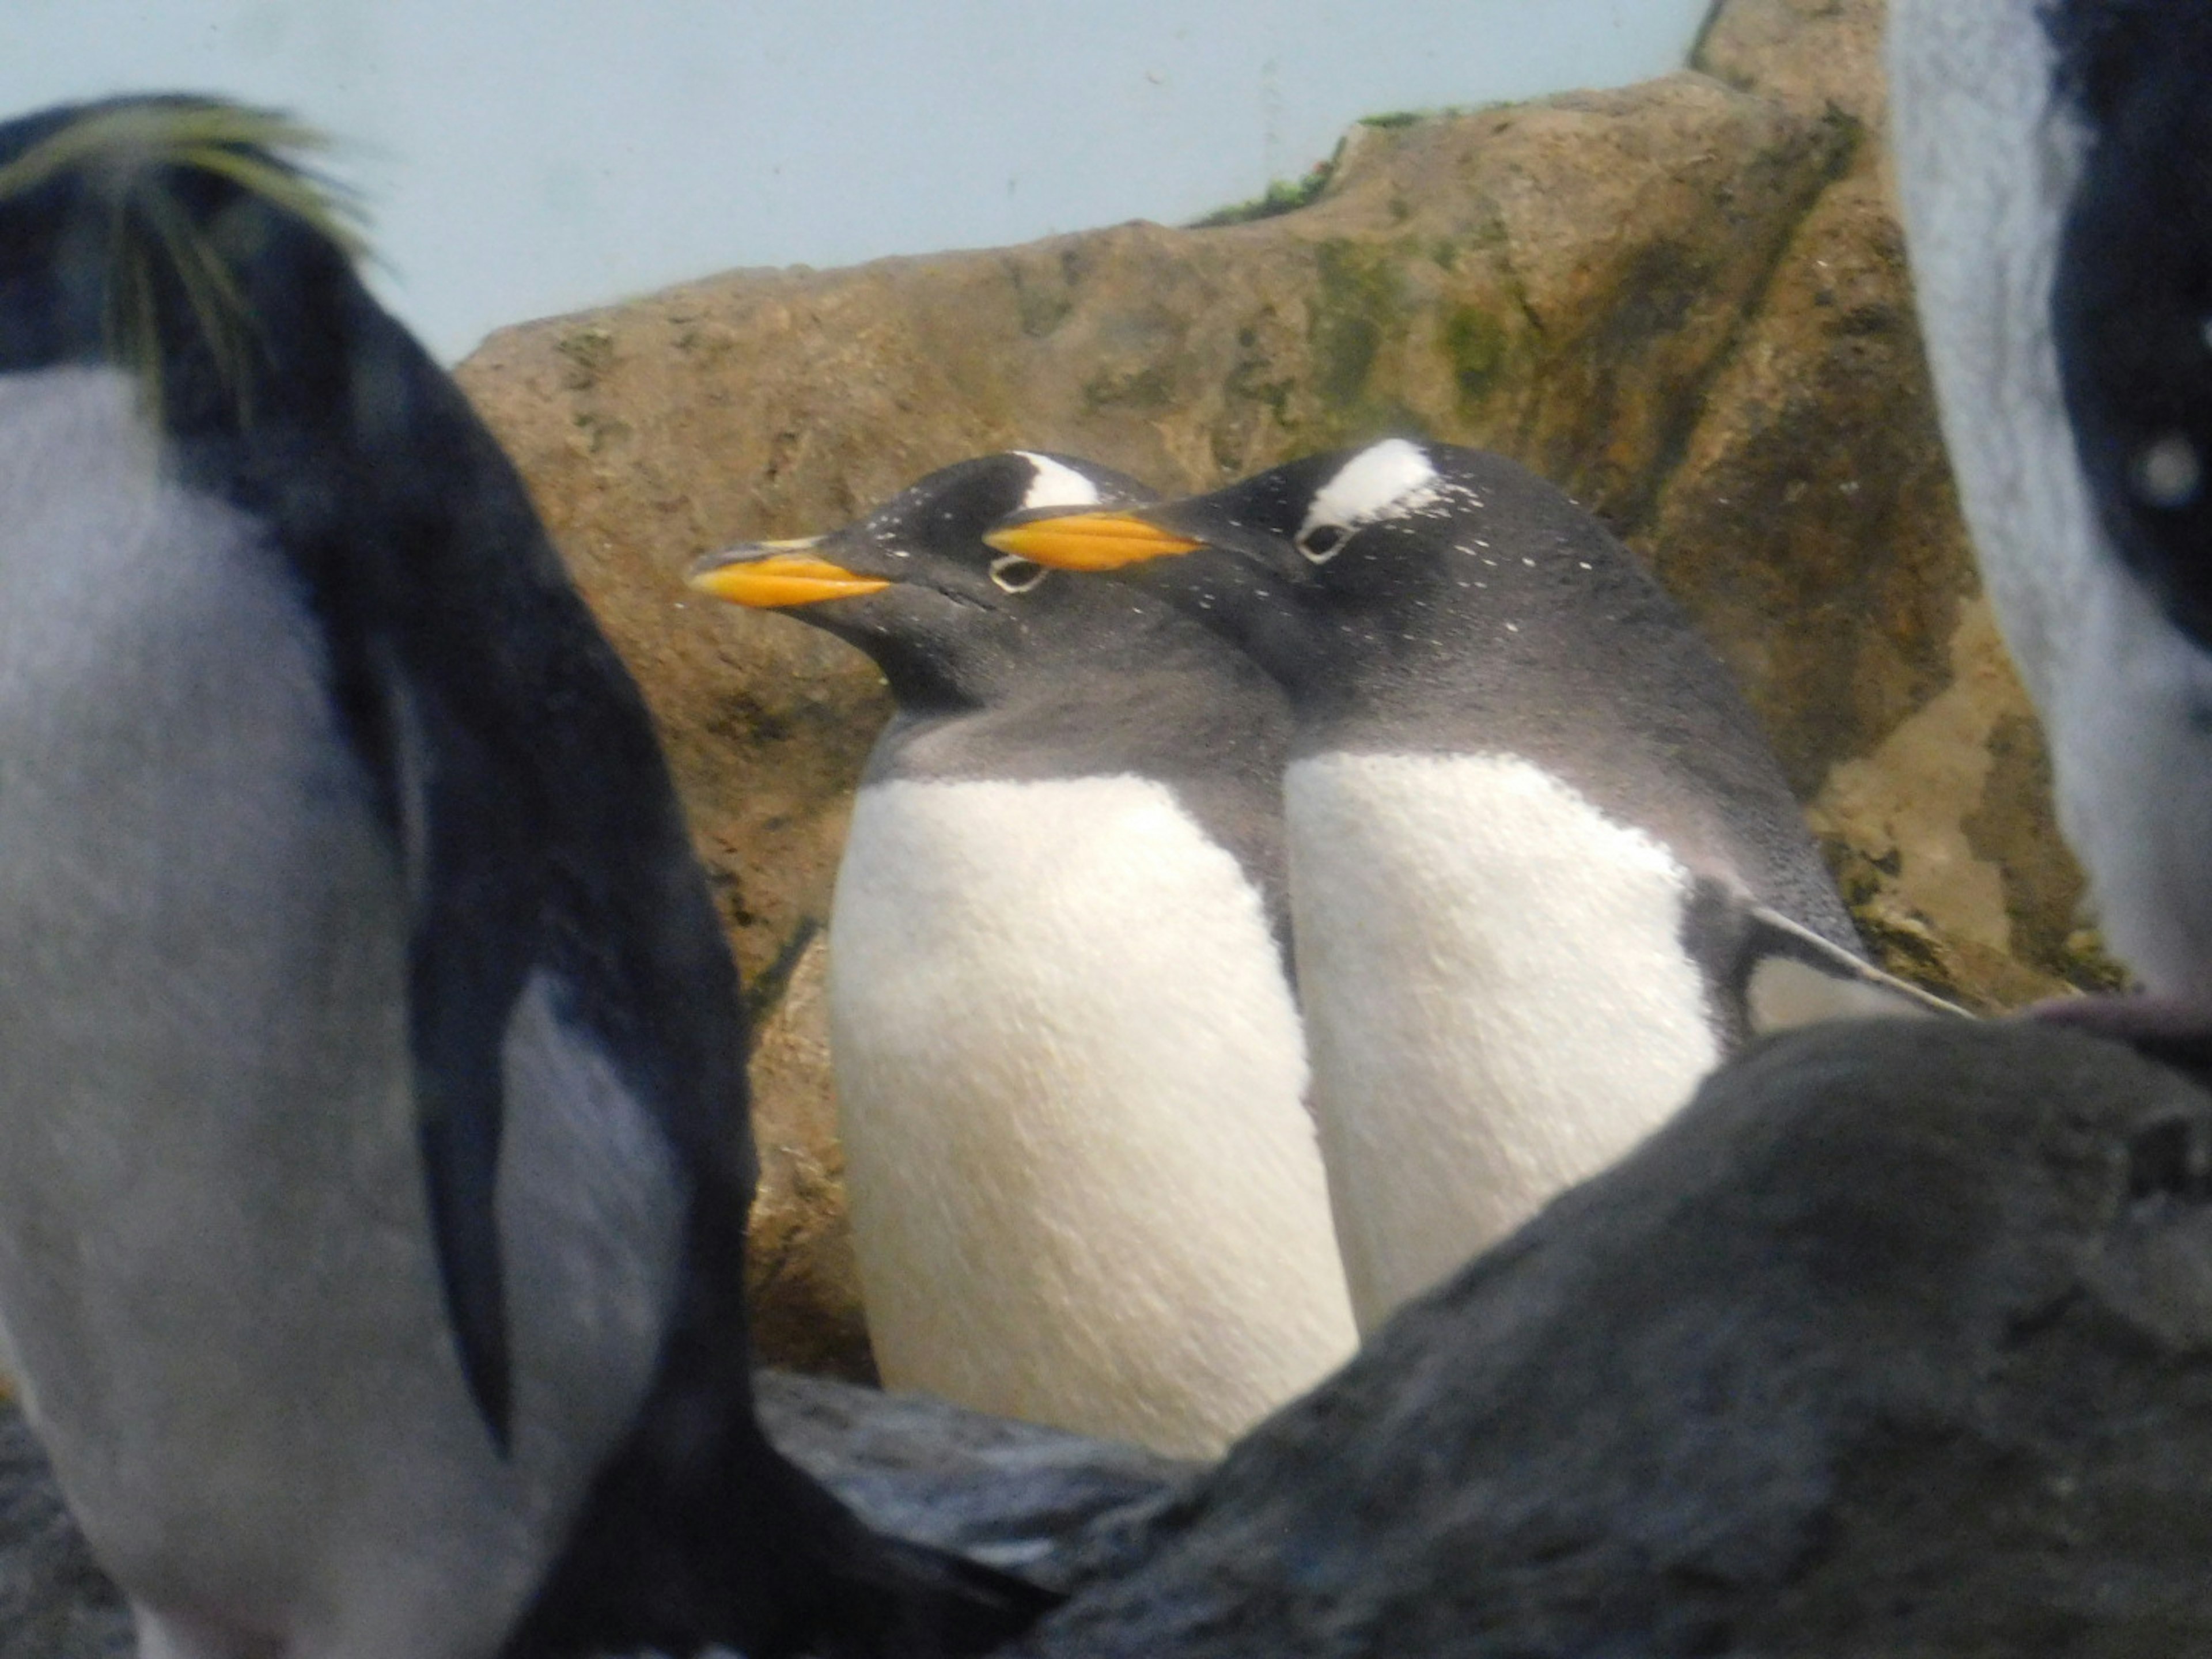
(527, 156)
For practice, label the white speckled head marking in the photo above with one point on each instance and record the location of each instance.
(1055, 485)
(1381, 480)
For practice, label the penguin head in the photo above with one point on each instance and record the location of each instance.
(2131, 295)
(1333, 544)
(176, 239)
(914, 584)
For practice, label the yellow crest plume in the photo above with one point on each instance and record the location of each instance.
(128, 155)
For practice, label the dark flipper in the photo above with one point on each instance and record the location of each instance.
(1787, 975)
(472, 936)
(1769, 973)
(458, 1128)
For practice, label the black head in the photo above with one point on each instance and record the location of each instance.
(1360, 566)
(176, 239)
(947, 619)
(2131, 299)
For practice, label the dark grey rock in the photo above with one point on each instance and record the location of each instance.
(1055, 1507)
(1898, 1342)
(55, 1602)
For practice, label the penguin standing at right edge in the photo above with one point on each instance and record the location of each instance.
(2054, 162)
(1545, 872)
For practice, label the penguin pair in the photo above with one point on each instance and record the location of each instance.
(1545, 872)
(2054, 162)
(1071, 1077)
(372, 1219)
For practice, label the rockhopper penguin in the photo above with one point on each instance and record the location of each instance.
(1545, 873)
(2054, 162)
(372, 1217)
(1084, 1186)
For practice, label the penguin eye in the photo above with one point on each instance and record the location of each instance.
(1014, 575)
(2167, 473)
(1322, 542)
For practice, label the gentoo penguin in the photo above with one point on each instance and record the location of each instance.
(1545, 872)
(372, 1219)
(2055, 160)
(1085, 1189)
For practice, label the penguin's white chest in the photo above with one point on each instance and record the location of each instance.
(215, 1267)
(1497, 997)
(1085, 1187)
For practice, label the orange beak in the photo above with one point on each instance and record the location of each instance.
(772, 576)
(1089, 541)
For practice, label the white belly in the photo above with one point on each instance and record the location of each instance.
(1495, 997)
(1085, 1190)
(214, 1263)
(2131, 758)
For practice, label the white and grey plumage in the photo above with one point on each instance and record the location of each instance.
(2054, 162)
(1545, 872)
(1071, 1077)
(372, 1217)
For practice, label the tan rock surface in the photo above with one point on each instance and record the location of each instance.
(1685, 301)
(1813, 530)
(806, 1281)
(1811, 53)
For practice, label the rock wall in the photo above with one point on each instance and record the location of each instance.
(1685, 301)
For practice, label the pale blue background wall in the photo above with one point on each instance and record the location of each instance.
(528, 156)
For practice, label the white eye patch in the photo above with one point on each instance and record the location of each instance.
(1055, 485)
(1382, 481)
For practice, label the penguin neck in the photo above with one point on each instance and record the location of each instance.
(1169, 703)
(1439, 657)
(1572, 660)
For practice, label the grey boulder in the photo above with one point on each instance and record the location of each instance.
(1897, 1341)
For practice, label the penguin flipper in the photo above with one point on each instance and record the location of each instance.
(472, 889)
(459, 1132)
(1791, 976)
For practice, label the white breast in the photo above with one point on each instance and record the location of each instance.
(1496, 996)
(1084, 1188)
(214, 1264)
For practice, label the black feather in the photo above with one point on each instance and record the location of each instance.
(2131, 299)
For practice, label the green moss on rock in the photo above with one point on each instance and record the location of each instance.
(1475, 343)
(1359, 300)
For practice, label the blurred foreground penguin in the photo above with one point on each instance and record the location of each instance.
(372, 1212)
(2055, 159)
(1545, 872)
(1071, 1081)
